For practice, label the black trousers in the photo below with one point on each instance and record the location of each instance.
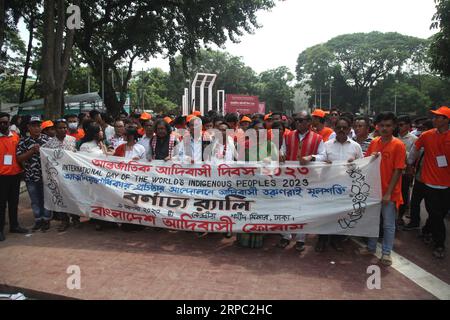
(438, 201)
(406, 184)
(418, 194)
(9, 194)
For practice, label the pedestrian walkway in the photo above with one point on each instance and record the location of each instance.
(162, 264)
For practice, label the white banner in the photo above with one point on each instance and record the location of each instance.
(340, 198)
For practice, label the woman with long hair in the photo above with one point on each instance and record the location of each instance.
(92, 143)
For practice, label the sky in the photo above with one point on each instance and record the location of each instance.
(294, 25)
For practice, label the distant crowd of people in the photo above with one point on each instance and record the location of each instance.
(414, 155)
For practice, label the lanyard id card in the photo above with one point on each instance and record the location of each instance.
(441, 161)
(7, 160)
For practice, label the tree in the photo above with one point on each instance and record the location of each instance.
(31, 18)
(274, 88)
(56, 53)
(150, 89)
(116, 32)
(360, 59)
(410, 100)
(440, 45)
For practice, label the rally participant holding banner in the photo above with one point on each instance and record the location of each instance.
(194, 143)
(222, 146)
(28, 155)
(260, 150)
(342, 148)
(92, 143)
(131, 149)
(300, 143)
(164, 142)
(393, 161)
(63, 141)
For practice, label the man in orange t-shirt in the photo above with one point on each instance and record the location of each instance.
(436, 176)
(393, 153)
(318, 123)
(73, 130)
(10, 174)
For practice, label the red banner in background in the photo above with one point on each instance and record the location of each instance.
(242, 104)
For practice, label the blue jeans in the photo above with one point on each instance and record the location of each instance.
(389, 216)
(36, 193)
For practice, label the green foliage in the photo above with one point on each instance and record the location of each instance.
(150, 89)
(440, 46)
(274, 88)
(10, 89)
(120, 31)
(353, 63)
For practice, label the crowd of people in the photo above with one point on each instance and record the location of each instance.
(414, 156)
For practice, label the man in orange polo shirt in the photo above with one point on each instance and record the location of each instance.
(436, 176)
(318, 123)
(10, 174)
(393, 153)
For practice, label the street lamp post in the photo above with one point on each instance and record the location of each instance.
(315, 98)
(395, 98)
(320, 97)
(368, 105)
(189, 95)
(330, 96)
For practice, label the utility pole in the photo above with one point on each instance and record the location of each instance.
(320, 97)
(395, 98)
(330, 96)
(103, 82)
(315, 98)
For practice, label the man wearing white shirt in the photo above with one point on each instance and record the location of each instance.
(342, 148)
(145, 140)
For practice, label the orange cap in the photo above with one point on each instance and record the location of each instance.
(168, 119)
(196, 113)
(145, 116)
(267, 116)
(318, 113)
(47, 124)
(442, 111)
(190, 117)
(246, 119)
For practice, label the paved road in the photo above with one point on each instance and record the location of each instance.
(162, 264)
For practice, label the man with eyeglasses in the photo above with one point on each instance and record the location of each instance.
(119, 134)
(408, 139)
(342, 148)
(10, 174)
(297, 144)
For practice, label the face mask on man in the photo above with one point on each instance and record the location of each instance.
(73, 125)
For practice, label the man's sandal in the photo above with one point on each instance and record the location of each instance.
(386, 260)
